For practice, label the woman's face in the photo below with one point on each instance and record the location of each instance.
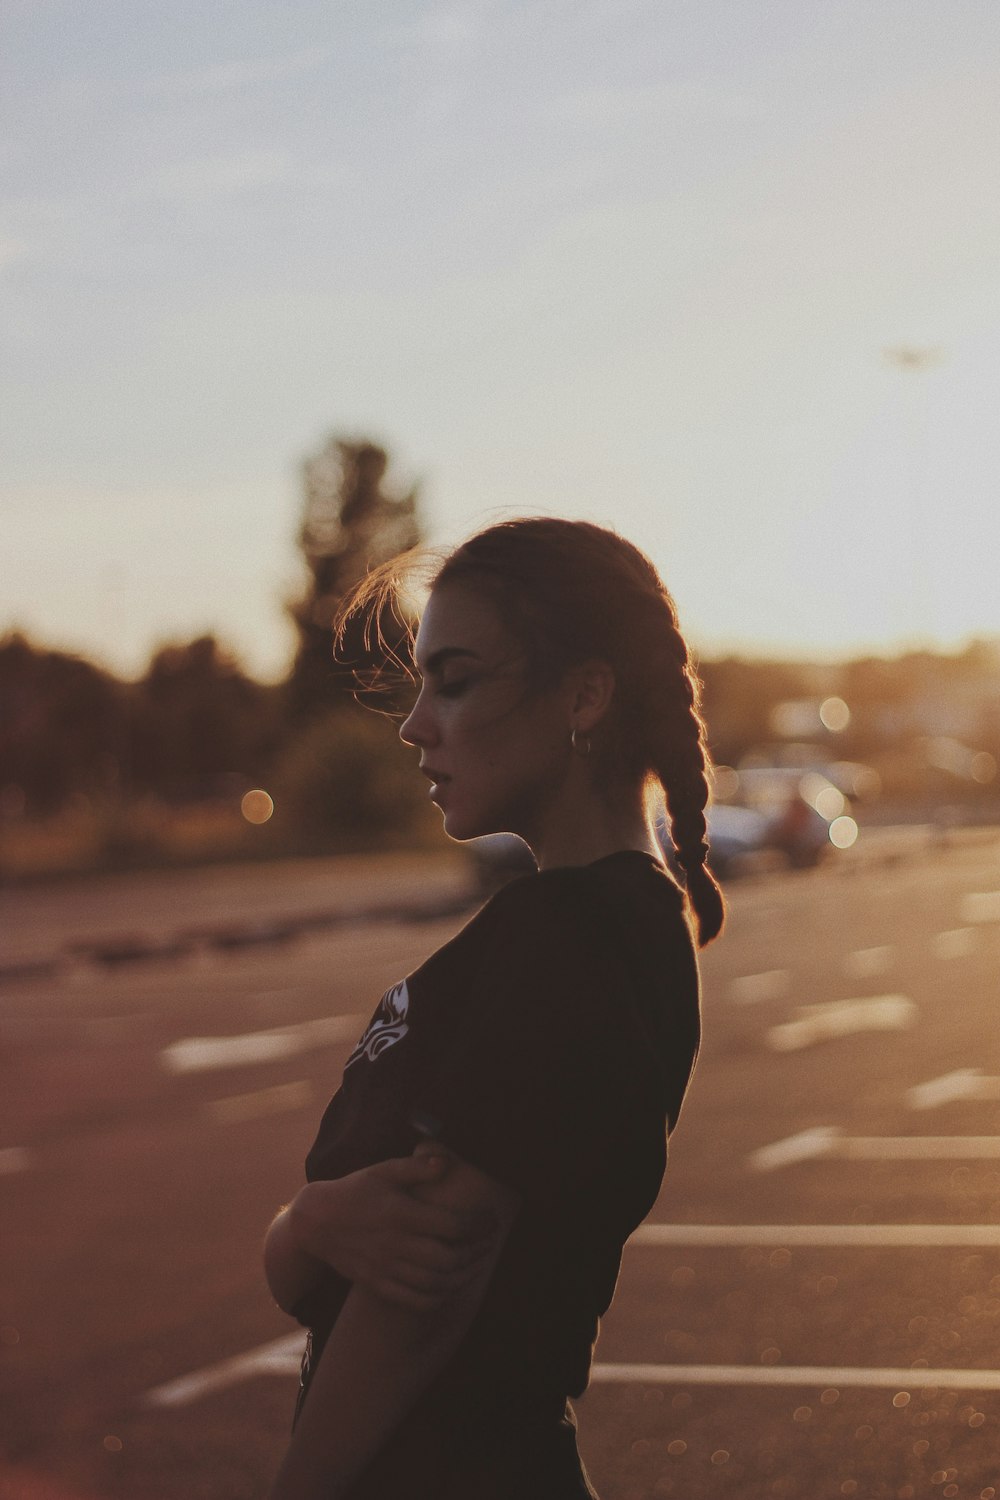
(495, 754)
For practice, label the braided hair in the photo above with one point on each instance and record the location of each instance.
(571, 591)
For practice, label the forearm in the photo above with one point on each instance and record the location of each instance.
(377, 1361)
(290, 1270)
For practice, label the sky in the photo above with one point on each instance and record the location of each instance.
(638, 263)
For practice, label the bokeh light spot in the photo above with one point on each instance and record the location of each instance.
(835, 714)
(829, 802)
(113, 1444)
(256, 806)
(843, 832)
(725, 783)
(901, 1398)
(677, 1447)
(983, 767)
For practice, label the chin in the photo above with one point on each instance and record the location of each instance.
(463, 828)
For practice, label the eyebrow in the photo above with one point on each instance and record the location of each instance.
(437, 660)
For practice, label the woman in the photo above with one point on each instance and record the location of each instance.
(501, 1126)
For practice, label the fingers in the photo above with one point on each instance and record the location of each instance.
(430, 1162)
(452, 1225)
(422, 1291)
(404, 1296)
(435, 1256)
(432, 1150)
(407, 1171)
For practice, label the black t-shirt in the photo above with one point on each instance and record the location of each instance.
(549, 1044)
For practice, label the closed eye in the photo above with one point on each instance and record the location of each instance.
(454, 689)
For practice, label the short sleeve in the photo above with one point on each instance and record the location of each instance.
(545, 1069)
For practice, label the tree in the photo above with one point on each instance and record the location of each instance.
(63, 727)
(739, 698)
(196, 717)
(350, 522)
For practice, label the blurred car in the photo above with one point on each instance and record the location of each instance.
(734, 834)
(794, 812)
(806, 814)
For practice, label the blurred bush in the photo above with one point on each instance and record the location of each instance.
(345, 783)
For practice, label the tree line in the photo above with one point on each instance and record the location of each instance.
(197, 728)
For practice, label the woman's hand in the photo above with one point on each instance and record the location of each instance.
(371, 1229)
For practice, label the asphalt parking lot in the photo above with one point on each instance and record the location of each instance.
(812, 1309)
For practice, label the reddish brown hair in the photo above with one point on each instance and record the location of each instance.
(570, 591)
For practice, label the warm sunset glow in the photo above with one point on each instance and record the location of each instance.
(770, 347)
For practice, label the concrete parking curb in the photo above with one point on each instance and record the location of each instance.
(118, 950)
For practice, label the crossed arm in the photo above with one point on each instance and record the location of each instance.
(397, 1329)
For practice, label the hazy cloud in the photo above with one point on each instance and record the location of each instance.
(443, 36)
(210, 175)
(11, 250)
(609, 105)
(239, 73)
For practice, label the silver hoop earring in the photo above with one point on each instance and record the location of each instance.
(582, 747)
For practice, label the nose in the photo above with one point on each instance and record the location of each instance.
(417, 729)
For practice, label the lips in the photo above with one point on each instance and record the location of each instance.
(436, 776)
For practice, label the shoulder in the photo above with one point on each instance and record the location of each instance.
(570, 892)
(592, 908)
(547, 901)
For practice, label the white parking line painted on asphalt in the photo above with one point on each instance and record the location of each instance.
(958, 942)
(865, 963)
(272, 1101)
(836, 1018)
(826, 1377)
(964, 1083)
(281, 1357)
(795, 1148)
(196, 1054)
(748, 989)
(858, 1236)
(14, 1159)
(980, 906)
(919, 1147)
(827, 1140)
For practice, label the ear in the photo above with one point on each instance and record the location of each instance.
(593, 689)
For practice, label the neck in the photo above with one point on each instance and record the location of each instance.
(581, 827)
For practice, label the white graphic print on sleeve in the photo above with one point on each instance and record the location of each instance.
(388, 1025)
